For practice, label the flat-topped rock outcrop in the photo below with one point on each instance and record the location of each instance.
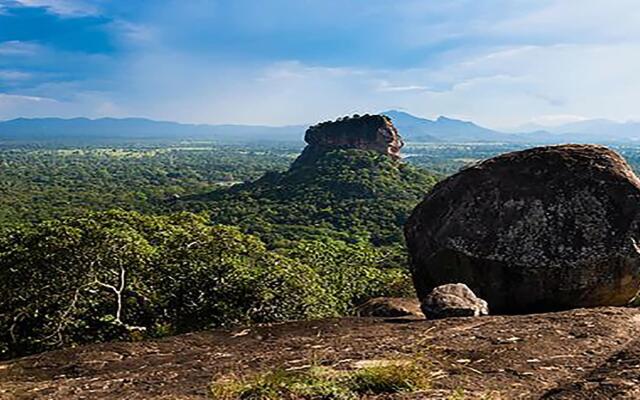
(542, 229)
(367, 132)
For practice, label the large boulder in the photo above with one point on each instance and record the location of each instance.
(543, 229)
(453, 300)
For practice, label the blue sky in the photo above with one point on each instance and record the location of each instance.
(501, 63)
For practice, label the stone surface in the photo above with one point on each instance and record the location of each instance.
(544, 229)
(367, 132)
(390, 307)
(453, 300)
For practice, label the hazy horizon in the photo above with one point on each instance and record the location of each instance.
(501, 64)
(515, 129)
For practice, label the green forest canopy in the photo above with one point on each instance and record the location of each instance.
(305, 243)
(347, 194)
(121, 275)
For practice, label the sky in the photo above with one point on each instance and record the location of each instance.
(500, 63)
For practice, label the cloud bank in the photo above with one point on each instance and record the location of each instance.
(501, 63)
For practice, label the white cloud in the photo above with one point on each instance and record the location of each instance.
(18, 48)
(64, 7)
(501, 63)
(500, 89)
(514, 86)
(385, 86)
(557, 119)
(577, 21)
(8, 75)
(89, 104)
(8, 98)
(14, 105)
(133, 34)
(516, 62)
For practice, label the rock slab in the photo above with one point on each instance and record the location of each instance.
(544, 229)
(453, 300)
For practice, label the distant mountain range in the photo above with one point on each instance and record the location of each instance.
(443, 129)
(412, 129)
(25, 129)
(599, 130)
(449, 130)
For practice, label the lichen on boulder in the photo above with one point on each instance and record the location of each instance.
(543, 229)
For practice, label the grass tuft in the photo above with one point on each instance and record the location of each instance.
(322, 383)
(390, 378)
(314, 384)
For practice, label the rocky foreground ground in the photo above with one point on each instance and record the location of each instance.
(579, 354)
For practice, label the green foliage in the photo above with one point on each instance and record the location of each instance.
(319, 383)
(361, 193)
(353, 273)
(123, 275)
(305, 245)
(42, 183)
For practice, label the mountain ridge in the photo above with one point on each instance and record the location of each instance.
(52, 128)
(443, 129)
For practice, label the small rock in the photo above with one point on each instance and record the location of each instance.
(453, 300)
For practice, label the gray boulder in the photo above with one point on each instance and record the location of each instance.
(453, 300)
(544, 229)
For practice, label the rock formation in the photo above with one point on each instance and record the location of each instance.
(367, 132)
(453, 300)
(542, 229)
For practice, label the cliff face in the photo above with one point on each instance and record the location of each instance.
(367, 132)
